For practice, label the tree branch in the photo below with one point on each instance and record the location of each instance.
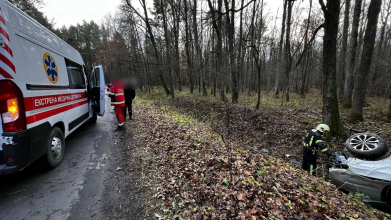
(324, 8)
(134, 10)
(240, 9)
(306, 46)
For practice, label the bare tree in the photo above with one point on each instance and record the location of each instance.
(217, 24)
(242, 48)
(168, 48)
(231, 42)
(342, 63)
(145, 18)
(200, 67)
(351, 56)
(176, 11)
(331, 114)
(360, 86)
(385, 14)
(306, 55)
(188, 41)
(288, 55)
(279, 63)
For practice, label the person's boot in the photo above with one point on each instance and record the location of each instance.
(119, 128)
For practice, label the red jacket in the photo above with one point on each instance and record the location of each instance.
(117, 95)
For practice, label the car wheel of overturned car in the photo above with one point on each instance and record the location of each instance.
(367, 145)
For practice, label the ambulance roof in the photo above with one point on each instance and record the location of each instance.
(27, 27)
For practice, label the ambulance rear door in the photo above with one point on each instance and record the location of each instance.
(98, 90)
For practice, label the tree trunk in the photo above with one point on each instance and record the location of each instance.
(351, 56)
(168, 49)
(176, 10)
(240, 58)
(231, 47)
(217, 24)
(153, 41)
(342, 64)
(360, 86)
(389, 112)
(360, 38)
(331, 114)
(257, 56)
(142, 53)
(200, 68)
(288, 50)
(187, 47)
(306, 56)
(279, 63)
(380, 49)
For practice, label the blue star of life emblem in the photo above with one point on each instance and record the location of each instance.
(50, 68)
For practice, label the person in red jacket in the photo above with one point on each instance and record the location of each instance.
(118, 101)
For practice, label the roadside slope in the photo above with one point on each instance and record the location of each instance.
(192, 174)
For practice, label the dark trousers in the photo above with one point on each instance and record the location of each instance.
(128, 108)
(309, 160)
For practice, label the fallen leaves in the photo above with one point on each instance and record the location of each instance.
(190, 167)
(241, 196)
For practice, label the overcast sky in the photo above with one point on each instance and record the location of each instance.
(71, 12)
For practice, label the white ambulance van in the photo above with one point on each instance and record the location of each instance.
(45, 94)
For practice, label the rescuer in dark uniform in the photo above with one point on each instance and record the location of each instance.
(130, 95)
(312, 143)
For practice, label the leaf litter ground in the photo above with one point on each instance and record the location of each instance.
(193, 172)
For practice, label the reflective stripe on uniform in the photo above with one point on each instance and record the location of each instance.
(111, 93)
(324, 150)
(121, 124)
(318, 141)
(312, 139)
(118, 103)
(118, 94)
(311, 169)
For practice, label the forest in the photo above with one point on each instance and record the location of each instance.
(231, 48)
(228, 90)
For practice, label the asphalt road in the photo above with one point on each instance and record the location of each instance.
(74, 189)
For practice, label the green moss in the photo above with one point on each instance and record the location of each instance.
(309, 121)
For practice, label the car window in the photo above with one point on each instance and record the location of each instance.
(96, 78)
(76, 79)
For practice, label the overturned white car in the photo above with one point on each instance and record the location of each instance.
(365, 168)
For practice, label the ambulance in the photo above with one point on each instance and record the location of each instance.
(45, 93)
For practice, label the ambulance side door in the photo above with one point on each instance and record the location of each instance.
(98, 90)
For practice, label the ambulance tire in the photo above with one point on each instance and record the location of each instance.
(93, 119)
(55, 148)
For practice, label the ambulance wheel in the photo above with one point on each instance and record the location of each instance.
(55, 148)
(93, 119)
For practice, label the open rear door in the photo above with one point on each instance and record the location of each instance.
(98, 90)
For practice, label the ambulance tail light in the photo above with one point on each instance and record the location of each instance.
(12, 112)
